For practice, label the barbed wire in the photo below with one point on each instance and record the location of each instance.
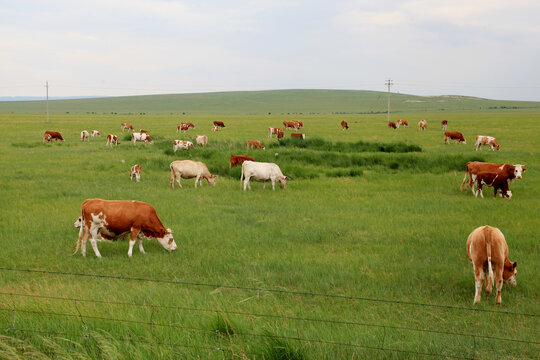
(279, 291)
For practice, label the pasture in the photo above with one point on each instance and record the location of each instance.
(362, 255)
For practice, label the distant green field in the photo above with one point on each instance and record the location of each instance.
(276, 102)
(361, 256)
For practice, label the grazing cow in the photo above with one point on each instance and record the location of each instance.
(116, 218)
(126, 126)
(487, 249)
(444, 124)
(185, 127)
(403, 123)
(85, 135)
(141, 137)
(454, 135)
(135, 172)
(298, 135)
(95, 133)
(392, 125)
(215, 128)
(219, 124)
(262, 172)
(291, 125)
(253, 144)
(201, 140)
(280, 134)
(474, 167)
(238, 160)
(49, 135)
(189, 169)
(182, 144)
(272, 131)
(487, 140)
(142, 131)
(344, 125)
(112, 140)
(422, 125)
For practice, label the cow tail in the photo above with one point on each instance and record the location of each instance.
(488, 239)
(242, 175)
(81, 234)
(171, 183)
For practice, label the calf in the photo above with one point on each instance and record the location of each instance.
(188, 169)
(95, 133)
(444, 124)
(403, 123)
(252, 144)
(219, 124)
(487, 249)
(238, 160)
(141, 137)
(422, 125)
(454, 135)
(262, 172)
(49, 135)
(392, 125)
(112, 140)
(344, 125)
(85, 135)
(182, 144)
(201, 140)
(135, 172)
(486, 140)
(215, 128)
(498, 181)
(185, 127)
(126, 126)
(298, 135)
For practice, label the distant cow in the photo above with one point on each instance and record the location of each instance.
(117, 218)
(486, 140)
(182, 144)
(344, 125)
(141, 137)
(185, 126)
(201, 140)
(135, 172)
(260, 171)
(219, 124)
(126, 126)
(403, 123)
(238, 160)
(49, 135)
(85, 135)
(280, 134)
(291, 125)
(142, 131)
(512, 172)
(422, 124)
(392, 125)
(253, 144)
(95, 133)
(189, 169)
(272, 131)
(300, 124)
(444, 124)
(487, 250)
(298, 135)
(112, 140)
(215, 128)
(454, 135)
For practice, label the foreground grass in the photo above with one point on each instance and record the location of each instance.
(389, 233)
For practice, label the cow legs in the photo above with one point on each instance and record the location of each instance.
(94, 231)
(499, 282)
(273, 185)
(246, 184)
(478, 281)
(198, 180)
(132, 240)
(141, 238)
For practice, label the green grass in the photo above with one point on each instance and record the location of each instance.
(355, 220)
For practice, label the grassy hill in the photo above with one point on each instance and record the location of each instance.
(271, 101)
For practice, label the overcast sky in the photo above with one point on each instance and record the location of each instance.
(128, 47)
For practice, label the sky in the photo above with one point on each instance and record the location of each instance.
(488, 49)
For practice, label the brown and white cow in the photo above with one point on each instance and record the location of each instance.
(392, 125)
(253, 144)
(403, 123)
(499, 181)
(142, 131)
(272, 131)
(85, 136)
(95, 133)
(260, 171)
(185, 126)
(112, 140)
(474, 167)
(126, 126)
(454, 135)
(215, 128)
(298, 136)
(219, 124)
(201, 140)
(141, 137)
(487, 250)
(422, 125)
(135, 172)
(344, 125)
(238, 160)
(182, 144)
(189, 169)
(486, 140)
(50, 135)
(444, 124)
(117, 218)
(280, 134)
(291, 125)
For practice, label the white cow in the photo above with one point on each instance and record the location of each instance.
(182, 144)
(137, 136)
(262, 172)
(201, 140)
(95, 133)
(85, 135)
(189, 169)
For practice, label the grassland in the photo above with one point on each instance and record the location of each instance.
(381, 227)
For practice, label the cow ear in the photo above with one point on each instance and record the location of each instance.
(523, 169)
(514, 265)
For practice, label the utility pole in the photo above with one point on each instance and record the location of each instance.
(47, 87)
(389, 83)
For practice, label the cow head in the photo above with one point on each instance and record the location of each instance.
(149, 140)
(167, 241)
(518, 170)
(510, 272)
(283, 181)
(211, 180)
(79, 222)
